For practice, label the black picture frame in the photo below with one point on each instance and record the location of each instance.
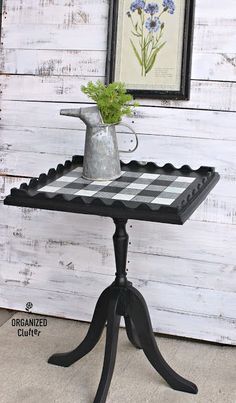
(185, 82)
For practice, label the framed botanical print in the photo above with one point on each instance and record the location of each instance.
(150, 45)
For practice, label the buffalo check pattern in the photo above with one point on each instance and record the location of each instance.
(149, 188)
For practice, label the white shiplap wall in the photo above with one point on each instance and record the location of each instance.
(61, 262)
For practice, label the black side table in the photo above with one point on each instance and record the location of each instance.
(143, 192)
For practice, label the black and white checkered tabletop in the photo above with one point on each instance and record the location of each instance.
(149, 188)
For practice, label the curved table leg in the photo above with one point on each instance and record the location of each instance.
(131, 332)
(139, 314)
(113, 323)
(91, 339)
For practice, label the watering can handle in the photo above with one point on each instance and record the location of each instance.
(136, 137)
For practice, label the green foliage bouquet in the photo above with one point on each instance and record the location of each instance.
(112, 100)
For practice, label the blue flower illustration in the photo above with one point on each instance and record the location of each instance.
(153, 24)
(170, 5)
(147, 30)
(137, 5)
(152, 8)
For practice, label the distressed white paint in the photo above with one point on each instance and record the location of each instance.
(187, 273)
(66, 33)
(31, 36)
(206, 95)
(193, 151)
(206, 66)
(157, 121)
(51, 261)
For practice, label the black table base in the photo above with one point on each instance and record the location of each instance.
(122, 299)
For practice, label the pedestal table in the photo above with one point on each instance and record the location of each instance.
(145, 192)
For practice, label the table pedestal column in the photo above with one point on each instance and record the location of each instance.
(122, 299)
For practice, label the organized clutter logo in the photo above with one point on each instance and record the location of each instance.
(29, 326)
(28, 306)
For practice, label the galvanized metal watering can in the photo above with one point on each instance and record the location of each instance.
(101, 154)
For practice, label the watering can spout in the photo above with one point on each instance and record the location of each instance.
(70, 112)
(90, 116)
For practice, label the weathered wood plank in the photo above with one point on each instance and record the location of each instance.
(62, 13)
(162, 295)
(207, 38)
(209, 242)
(214, 66)
(66, 256)
(204, 12)
(82, 13)
(67, 14)
(31, 36)
(156, 121)
(67, 142)
(15, 162)
(53, 62)
(205, 242)
(16, 158)
(54, 261)
(218, 207)
(222, 330)
(64, 252)
(204, 95)
(57, 11)
(206, 66)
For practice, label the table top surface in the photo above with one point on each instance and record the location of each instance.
(144, 191)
